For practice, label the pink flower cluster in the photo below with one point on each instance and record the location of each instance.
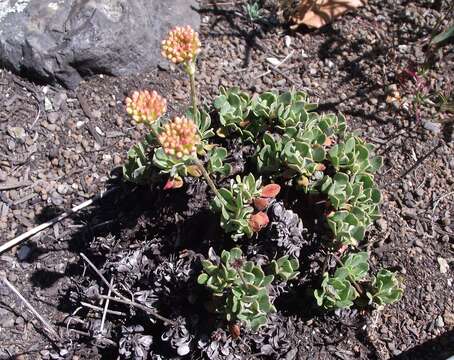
(182, 45)
(179, 137)
(146, 106)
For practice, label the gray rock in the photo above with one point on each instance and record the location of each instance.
(63, 41)
(382, 224)
(433, 127)
(24, 253)
(439, 322)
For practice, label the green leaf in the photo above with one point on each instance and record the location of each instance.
(225, 257)
(356, 265)
(442, 37)
(236, 253)
(257, 322)
(318, 154)
(202, 279)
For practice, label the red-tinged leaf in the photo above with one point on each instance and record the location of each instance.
(173, 183)
(321, 167)
(258, 221)
(169, 185)
(270, 190)
(328, 142)
(342, 249)
(261, 203)
(235, 330)
(303, 181)
(244, 123)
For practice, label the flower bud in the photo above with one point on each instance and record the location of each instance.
(258, 221)
(145, 106)
(180, 137)
(182, 45)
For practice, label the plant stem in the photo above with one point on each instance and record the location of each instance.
(355, 284)
(193, 93)
(190, 70)
(208, 179)
(155, 133)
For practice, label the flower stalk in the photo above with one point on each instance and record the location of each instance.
(208, 179)
(191, 70)
(182, 46)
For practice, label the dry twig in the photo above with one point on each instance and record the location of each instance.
(123, 299)
(47, 326)
(55, 220)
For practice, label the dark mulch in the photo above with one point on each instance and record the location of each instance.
(61, 155)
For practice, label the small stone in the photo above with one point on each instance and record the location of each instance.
(56, 198)
(51, 127)
(117, 159)
(48, 104)
(409, 213)
(96, 114)
(58, 100)
(382, 224)
(419, 243)
(60, 268)
(44, 353)
(439, 322)
(448, 318)
(62, 189)
(329, 63)
(24, 253)
(392, 88)
(444, 266)
(3, 176)
(52, 117)
(446, 221)
(17, 132)
(432, 127)
(7, 322)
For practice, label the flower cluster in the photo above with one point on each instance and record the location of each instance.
(179, 137)
(181, 45)
(146, 106)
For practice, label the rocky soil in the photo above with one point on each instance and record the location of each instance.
(59, 148)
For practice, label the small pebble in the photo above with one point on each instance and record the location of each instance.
(3, 176)
(432, 127)
(24, 253)
(440, 322)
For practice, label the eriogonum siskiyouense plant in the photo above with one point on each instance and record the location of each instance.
(280, 138)
(240, 288)
(350, 282)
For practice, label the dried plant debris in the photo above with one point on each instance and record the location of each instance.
(179, 337)
(317, 13)
(134, 343)
(287, 230)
